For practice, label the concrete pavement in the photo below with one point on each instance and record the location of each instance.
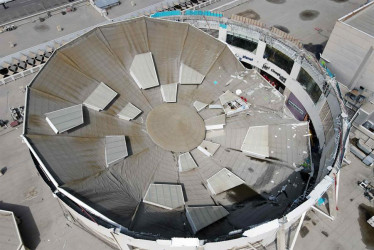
(348, 230)
(302, 19)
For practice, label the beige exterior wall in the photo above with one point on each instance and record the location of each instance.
(351, 56)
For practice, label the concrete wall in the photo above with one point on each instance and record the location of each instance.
(351, 56)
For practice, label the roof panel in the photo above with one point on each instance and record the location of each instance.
(115, 149)
(100, 97)
(363, 20)
(208, 148)
(200, 217)
(188, 75)
(143, 71)
(165, 196)
(199, 105)
(169, 92)
(64, 119)
(186, 162)
(223, 181)
(216, 122)
(129, 112)
(256, 142)
(9, 234)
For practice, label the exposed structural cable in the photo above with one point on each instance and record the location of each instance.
(206, 22)
(83, 210)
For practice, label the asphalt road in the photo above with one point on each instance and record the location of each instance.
(21, 8)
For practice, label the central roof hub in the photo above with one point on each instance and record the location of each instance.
(175, 127)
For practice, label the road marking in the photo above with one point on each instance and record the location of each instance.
(224, 5)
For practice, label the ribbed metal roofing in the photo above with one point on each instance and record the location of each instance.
(165, 196)
(115, 149)
(363, 20)
(169, 92)
(186, 162)
(223, 181)
(201, 217)
(129, 112)
(64, 119)
(143, 71)
(256, 142)
(100, 97)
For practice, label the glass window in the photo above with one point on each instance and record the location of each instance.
(278, 58)
(247, 65)
(310, 86)
(240, 42)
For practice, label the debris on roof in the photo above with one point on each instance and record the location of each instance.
(232, 103)
(64, 119)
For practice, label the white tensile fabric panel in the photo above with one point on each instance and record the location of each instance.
(200, 217)
(129, 112)
(165, 196)
(216, 122)
(256, 142)
(143, 71)
(186, 162)
(169, 92)
(100, 97)
(115, 149)
(199, 105)
(223, 181)
(65, 119)
(208, 148)
(188, 75)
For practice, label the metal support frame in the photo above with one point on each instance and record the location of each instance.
(321, 212)
(337, 181)
(281, 234)
(331, 194)
(297, 231)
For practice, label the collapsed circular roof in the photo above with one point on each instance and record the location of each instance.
(157, 126)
